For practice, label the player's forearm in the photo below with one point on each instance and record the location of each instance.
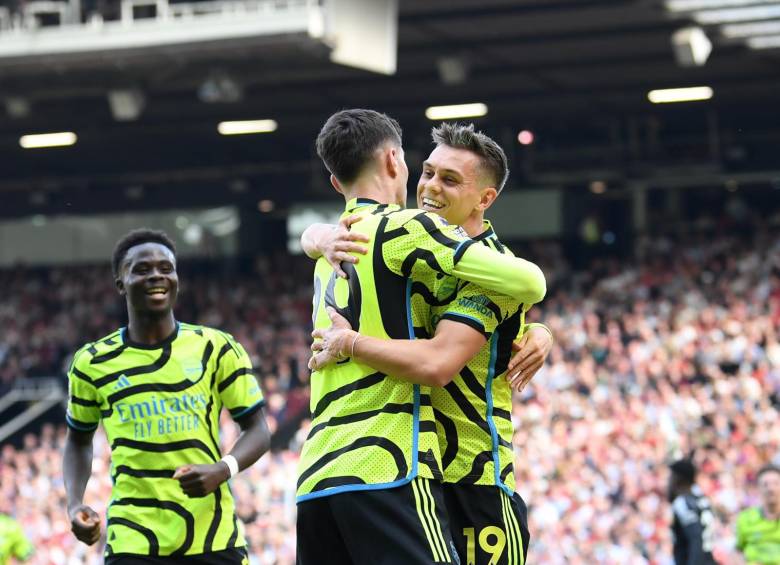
(254, 441)
(512, 276)
(76, 467)
(415, 361)
(312, 237)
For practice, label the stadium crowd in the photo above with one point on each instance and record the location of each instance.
(673, 351)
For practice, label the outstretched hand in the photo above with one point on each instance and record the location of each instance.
(341, 242)
(531, 351)
(331, 344)
(85, 524)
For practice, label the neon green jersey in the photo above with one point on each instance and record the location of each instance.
(757, 538)
(13, 542)
(371, 430)
(473, 412)
(160, 409)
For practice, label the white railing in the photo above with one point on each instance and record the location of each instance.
(151, 23)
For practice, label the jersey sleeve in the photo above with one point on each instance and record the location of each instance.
(513, 276)
(237, 384)
(83, 412)
(480, 309)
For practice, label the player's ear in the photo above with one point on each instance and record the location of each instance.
(391, 161)
(120, 286)
(334, 182)
(487, 197)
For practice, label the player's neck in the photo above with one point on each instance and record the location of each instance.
(149, 328)
(474, 225)
(372, 187)
(771, 513)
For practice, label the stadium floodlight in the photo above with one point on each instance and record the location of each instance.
(694, 5)
(764, 42)
(473, 110)
(735, 31)
(746, 14)
(690, 94)
(40, 140)
(246, 127)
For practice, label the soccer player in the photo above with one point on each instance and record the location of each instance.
(365, 488)
(13, 542)
(461, 179)
(693, 527)
(158, 386)
(758, 528)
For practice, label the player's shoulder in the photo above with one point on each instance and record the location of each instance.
(204, 332)
(94, 349)
(220, 339)
(749, 516)
(420, 220)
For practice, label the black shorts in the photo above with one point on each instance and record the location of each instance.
(405, 525)
(234, 556)
(488, 525)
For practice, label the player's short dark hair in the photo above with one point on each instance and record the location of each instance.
(492, 158)
(767, 469)
(138, 237)
(349, 138)
(685, 470)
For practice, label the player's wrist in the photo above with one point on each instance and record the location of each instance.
(230, 466)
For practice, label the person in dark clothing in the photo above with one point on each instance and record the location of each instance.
(693, 528)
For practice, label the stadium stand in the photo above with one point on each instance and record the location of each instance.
(654, 356)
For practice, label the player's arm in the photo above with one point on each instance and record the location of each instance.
(334, 242)
(77, 468)
(420, 361)
(512, 276)
(82, 417)
(240, 393)
(254, 440)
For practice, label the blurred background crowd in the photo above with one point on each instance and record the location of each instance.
(654, 357)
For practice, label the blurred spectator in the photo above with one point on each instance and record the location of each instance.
(13, 542)
(758, 534)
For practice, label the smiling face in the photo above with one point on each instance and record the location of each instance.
(453, 185)
(148, 279)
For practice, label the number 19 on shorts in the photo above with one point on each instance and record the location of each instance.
(491, 539)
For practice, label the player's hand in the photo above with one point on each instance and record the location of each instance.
(200, 480)
(340, 243)
(531, 351)
(85, 524)
(333, 343)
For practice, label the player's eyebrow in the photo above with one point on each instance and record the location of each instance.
(446, 171)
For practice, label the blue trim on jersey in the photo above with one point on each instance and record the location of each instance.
(416, 410)
(458, 314)
(352, 488)
(461, 244)
(254, 406)
(78, 427)
(489, 416)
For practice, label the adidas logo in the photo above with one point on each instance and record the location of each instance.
(122, 382)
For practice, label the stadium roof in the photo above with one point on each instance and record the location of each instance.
(575, 72)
